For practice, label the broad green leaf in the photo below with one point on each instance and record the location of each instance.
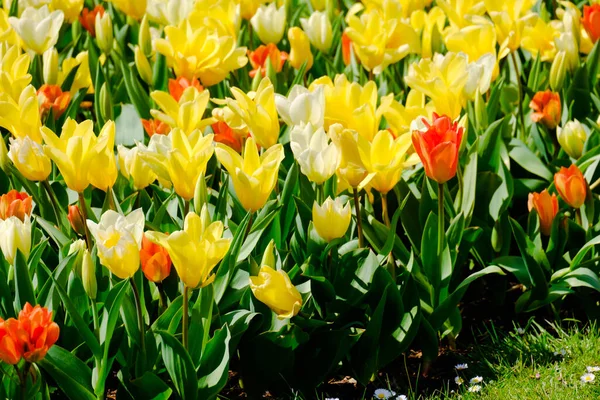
(70, 373)
(179, 366)
(214, 366)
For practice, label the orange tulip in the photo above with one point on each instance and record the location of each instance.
(546, 207)
(88, 19)
(40, 333)
(76, 219)
(11, 343)
(177, 86)
(571, 185)
(224, 134)
(15, 204)
(346, 45)
(156, 263)
(155, 127)
(437, 145)
(52, 97)
(546, 108)
(591, 21)
(258, 59)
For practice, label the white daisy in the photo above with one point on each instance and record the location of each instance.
(458, 380)
(475, 388)
(592, 369)
(477, 379)
(382, 394)
(461, 366)
(402, 397)
(520, 331)
(588, 378)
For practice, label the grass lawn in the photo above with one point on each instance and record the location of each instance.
(537, 361)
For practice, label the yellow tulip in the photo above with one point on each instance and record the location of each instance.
(429, 26)
(182, 162)
(351, 169)
(50, 66)
(253, 177)
(132, 8)
(82, 79)
(201, 52)
(38, 28)
(195, 250)
(29, 159)
(269, 23)
(156, 155)
(119, 239)
(21, 117)
(15, 235)
(386, 157)
(103, 166)
(399, 117)
(104, 32)
(350, 104)
(379, 42)
(70, 8)
(14, 67)
(539, 38)
(142, 65)
(299, 49)
(276, 291)
(318, 29)
(258, 112)
(571, 138)
(509, 19)
(248, 7)
(74, 151)
(7, 33)
(223, 15)
(169, 12)
(459, 12)
(185, 114)
(133, 166)
(317, 156)
(332, 219)
(474, 40)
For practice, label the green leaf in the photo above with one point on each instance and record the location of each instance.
(59, 238)
(214, 366)
(469, 184)
(23, 285)
(521, 154)
(179, 366)
(70, 373)
(582, 277)
(583, 252)
(150, 386)
(137, 94)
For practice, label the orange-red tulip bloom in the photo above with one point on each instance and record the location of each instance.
(40, 333)
(346, 45)
(156, 263)
(76, 219)
(52, 97)
(11, 341)
(155, 127)
(258, 59)
(224, 134)
(571, 185)
(546, 108)
(546, 206)
(15, 204)
(177, 86)
(591, 21)
(88, 19)
(437, 146)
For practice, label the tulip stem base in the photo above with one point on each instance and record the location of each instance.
(140, 318)
(361, 240)
(513, 57)
(386, 220)
(88, 238)
(578, 218)
(441, 221)
(162, 298)
(55, 206)
(186, 321)
(94, 310)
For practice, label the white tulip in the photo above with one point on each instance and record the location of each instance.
(317, 156)
(38, 28)
(302, 106)
(318, 29)
(269, 23)
(15, 234)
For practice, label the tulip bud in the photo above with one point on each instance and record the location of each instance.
(299, 49)
(156, 263)
(28, 157)
(268, 257)
(144, 37)
(571, 138)
(571, 185)
(15, 235)
(142, 65)
(76, 219)
(332, 219)
(50, 68)
(546, 206)
(88, 275)
(269, 23)
(77, 247)
(271, 73)
(558, 71)
(104, 32)
(256, 80)
(318, 29)
(481, 116)
(106, 108)
(546, 108)
(201, 193)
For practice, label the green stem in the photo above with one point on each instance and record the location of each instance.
(578, 218)
(441, 221)
(88, 237)
(249, 227)
(186, 209)
(386, 219)
(55, 206)
(184, 331)
(140, 318)
(111, 199)
(513, 57)
(95, 317)
(361, 240)
(162, 298)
